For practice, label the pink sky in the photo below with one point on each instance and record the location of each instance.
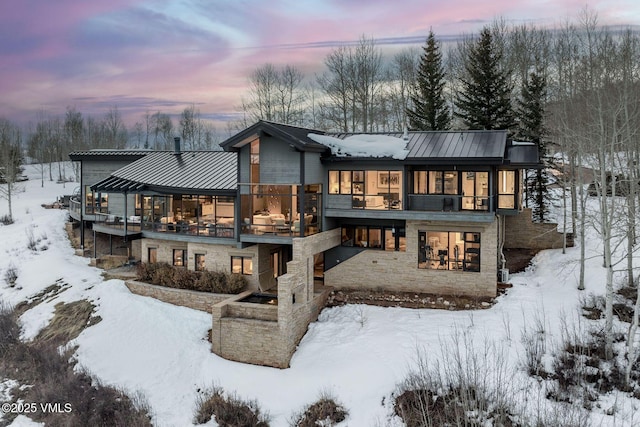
(164, 55)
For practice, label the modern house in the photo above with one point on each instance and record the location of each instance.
(292, 208)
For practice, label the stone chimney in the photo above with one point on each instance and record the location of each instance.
(176, 146)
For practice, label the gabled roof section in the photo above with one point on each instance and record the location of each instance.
(189, 171)
(442, 146)
(297, 136)
(108, 154)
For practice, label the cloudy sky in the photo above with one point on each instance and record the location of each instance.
(150, 55)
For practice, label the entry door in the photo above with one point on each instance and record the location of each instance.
(422, 246)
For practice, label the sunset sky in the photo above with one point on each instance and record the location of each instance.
(150, 55)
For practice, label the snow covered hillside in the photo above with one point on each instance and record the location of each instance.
(358, 353)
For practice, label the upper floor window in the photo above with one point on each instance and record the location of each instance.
(372, 189)
(96, 202)
(506, 189)
(435, 182)
(255, 161)
(475, 190)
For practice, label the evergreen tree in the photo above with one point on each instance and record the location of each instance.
(430, 110)
(484, 101)
(530, 111)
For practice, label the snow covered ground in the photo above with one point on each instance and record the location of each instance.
(357, 353)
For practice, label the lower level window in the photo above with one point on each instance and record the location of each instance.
(374, 237)
(199, 260)
(179, 257)
(242, 265)
(152, 256)
(449, 250)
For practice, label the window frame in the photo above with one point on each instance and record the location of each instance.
(350, 237)
(199, 266)
(183, 258)
(470, 252)
(246, 265)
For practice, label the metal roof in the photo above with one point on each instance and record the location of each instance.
(102, 154)
(437, 146)
(195, 171)
(522, 154)
(291, 134)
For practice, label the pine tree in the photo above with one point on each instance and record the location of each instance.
(430, 110)
(484, 101)
(530, 112)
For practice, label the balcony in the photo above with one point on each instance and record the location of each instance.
(449, 203)
(114, 224)
(272, 211)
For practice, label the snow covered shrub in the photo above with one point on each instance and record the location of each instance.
(228, 411)
(6, 220)
(9, 329)
(32, 243)
(534, 342)
(11, 275)
(473, 387)
(324, 412)
(580, 370)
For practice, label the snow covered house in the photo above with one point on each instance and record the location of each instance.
(294, 209)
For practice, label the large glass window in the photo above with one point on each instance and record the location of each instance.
(373, 189)
(96, 202)
(242, 265)
(255, 161)
(475, 190)
(449, 250)
(506, 189)
(375, 237)
(420, 182)
(345, 182)
(435, 182)
(334, 182)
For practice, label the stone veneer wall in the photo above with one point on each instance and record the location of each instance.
(186, 298)
(272, 343)
(398, 271)
(217, 257)
(522, 233)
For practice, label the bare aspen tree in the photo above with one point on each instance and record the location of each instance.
(276, 95)
(336, 83)
(10, 161)
(401, 76)
(116, 131)
(368, 79)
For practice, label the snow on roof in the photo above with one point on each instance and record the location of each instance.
(364, 145)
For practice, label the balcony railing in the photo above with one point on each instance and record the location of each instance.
(279, 225)
(75, 206)
(136, 223)
(449, 202)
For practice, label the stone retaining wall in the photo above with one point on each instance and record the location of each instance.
(249, 333)
(248, 310)
(202, 301)
(522, 233)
